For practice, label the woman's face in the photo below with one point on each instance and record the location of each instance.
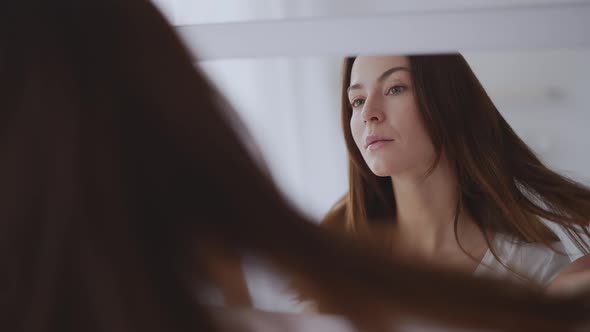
(386, 124)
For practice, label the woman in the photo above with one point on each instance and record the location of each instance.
(436, 172)
(120, 172)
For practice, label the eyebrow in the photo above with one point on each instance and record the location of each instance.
(382, 77)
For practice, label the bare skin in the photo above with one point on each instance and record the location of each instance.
(574, 279)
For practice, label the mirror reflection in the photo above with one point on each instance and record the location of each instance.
(466, 161)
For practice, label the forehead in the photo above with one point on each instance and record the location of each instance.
(368, 68)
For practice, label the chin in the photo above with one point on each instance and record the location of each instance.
(387, 169)
(382, 170)
(381, 174)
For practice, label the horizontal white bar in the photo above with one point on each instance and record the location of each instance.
(563, 26)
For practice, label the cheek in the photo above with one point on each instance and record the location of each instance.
(415, 136)
(357, 128)
(411, 125)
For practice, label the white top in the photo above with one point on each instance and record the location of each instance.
(261, 321)
(535, 262)
(528, 261)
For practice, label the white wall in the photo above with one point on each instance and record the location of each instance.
(544, 96)
(291, 108)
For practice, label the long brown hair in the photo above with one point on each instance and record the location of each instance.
(501, 182)
(118, 160)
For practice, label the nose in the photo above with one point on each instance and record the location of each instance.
(372, 111)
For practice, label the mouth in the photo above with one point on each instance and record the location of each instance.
(375, 142)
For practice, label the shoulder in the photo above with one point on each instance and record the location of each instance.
(581, 264)
(336, 217)
(574, 278)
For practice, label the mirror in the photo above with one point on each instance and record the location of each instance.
(279, 63)
(292, 107)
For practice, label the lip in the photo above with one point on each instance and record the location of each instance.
(375, 141)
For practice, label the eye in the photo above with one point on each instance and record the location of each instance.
(357, 102)
(395, 90)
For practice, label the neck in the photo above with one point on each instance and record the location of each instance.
(426, 209)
